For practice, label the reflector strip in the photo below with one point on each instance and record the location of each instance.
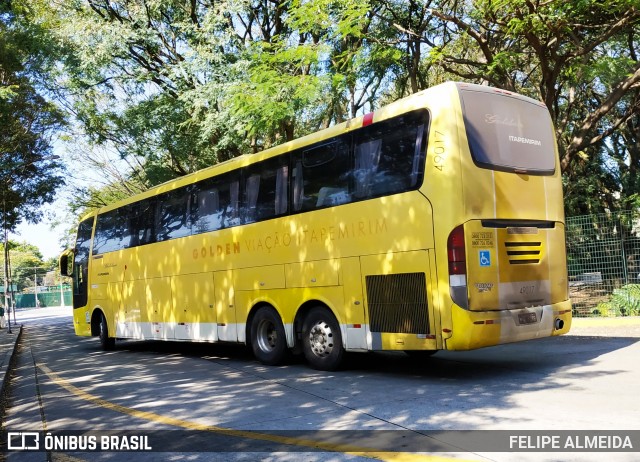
(488, 321)
(367, 119)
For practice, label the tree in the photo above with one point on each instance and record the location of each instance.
(167, 87)
(26, 261)
(29, 172)
(140, 80)
(577, 57)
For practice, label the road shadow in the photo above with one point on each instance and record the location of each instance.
(222, 384)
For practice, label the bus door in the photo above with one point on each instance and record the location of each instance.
(225, 309)
(355, 316)
(194, 314)
(81, 264)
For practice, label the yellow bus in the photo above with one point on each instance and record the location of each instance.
(433, 223)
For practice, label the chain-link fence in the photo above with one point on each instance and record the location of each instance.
(44, 299)
(35, 287)
(603, 255)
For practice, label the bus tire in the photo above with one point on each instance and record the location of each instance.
(322, 340)
(268, 339)
(108, 343)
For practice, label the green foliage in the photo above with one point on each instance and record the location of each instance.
(29, 174)
(580, 59)
(277, 90)
(623, 302)
(170, 86)
(25, 260)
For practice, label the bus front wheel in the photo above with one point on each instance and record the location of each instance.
(321, 340)
(268, 340)
(108, 343)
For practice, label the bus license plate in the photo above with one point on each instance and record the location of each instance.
(527, 318)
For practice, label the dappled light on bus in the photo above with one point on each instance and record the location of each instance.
(433, 223)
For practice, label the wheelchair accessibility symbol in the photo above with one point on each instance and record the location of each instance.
(485, 258)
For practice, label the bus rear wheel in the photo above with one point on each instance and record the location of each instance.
(268, 339)
(321, 340)
(108, 343)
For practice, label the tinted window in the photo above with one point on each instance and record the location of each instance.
(382, 158)
(508, 132)
(81, 263)
(139, 224)
(216, 204)
(173, 215)
(389, 156)
(266, 190)
(321, 175)
(108, 233)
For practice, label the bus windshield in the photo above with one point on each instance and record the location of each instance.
(508, 133)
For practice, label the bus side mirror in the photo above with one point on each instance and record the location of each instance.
(66, 263)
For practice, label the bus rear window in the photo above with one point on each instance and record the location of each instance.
(508, 133)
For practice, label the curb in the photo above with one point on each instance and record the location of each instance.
(6, 367)
(606, 322)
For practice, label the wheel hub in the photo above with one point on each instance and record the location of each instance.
(321, 339)
(267, 336)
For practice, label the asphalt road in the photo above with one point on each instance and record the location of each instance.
(589, 380)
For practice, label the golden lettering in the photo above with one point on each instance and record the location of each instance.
(218, 250)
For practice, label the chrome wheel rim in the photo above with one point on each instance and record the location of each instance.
(321, 339)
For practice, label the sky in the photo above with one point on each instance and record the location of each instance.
(44, 235)
(41, 235)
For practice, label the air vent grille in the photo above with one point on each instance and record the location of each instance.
(398, 303)
(523, 253)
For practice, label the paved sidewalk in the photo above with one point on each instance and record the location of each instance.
(628, 326)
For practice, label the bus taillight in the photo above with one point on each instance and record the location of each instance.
(457, 266)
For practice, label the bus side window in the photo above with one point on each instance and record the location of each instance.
(173, 218)
(108, 233)
(209, 213)
(321, 176)
(139, 224)
(367, 157)
(216, 204)
(232, 210)
(389, 156)
(297, 186)
(282, 190)
(252, 190)
(266, 190)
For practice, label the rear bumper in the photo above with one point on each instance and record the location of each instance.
(480, 329)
